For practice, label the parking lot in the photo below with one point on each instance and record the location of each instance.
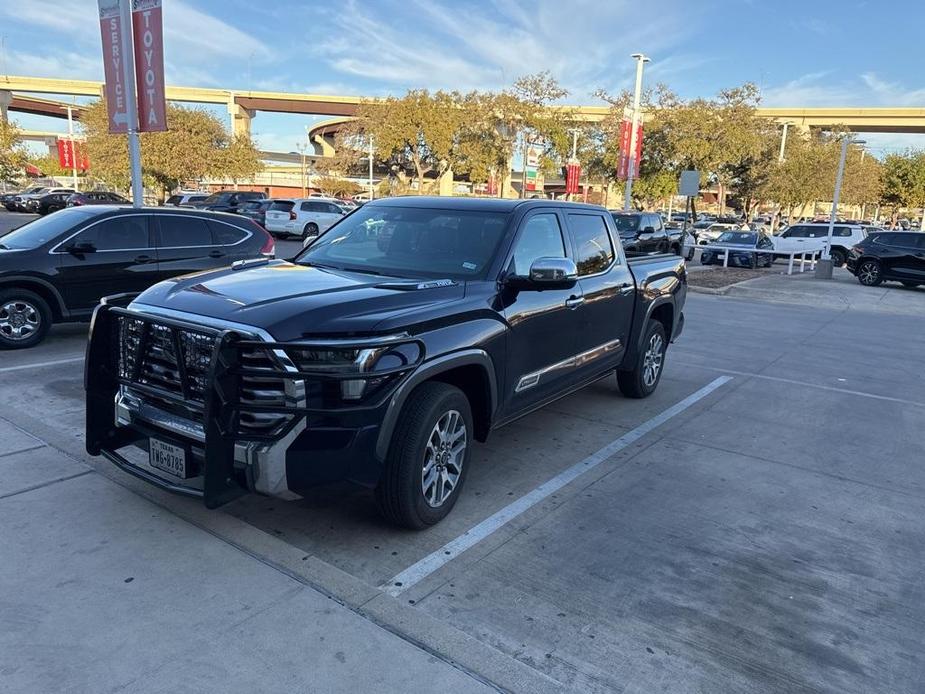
(756, 525)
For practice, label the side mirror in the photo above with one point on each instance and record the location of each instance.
(552, 273)
(81, 247)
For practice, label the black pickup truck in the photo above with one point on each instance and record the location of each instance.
(410, 329)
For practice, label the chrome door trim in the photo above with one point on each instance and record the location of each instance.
(531, 379)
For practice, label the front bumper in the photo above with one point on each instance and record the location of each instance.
(316, 445)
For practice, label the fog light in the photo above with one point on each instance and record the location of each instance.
(352, 389)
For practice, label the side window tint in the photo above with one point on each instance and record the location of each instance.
(919, 241)
(541, 237)
(173, 200)
(118, 233)
(593, 248)
(305, 207)
(841, 231)
(225, 234)
(177, 231)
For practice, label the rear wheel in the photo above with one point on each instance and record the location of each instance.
(838, 257)
(642, 380)
(311, 229)
(24, 319)
(428, 457)
(869, 273)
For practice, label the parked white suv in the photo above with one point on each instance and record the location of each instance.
(813, 237)
(302, 217)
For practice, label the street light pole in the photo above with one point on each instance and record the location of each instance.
(824, 267)
(370, 167)
(70, 136)
(783, 142)
(637, 96)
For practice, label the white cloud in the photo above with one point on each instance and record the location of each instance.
(819, 89)
(195, 43)
(451, 45)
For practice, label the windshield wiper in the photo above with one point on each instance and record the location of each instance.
(4, 248)
(362, 271)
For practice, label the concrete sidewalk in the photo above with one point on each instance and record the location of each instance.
(104, 591)
(843, 291)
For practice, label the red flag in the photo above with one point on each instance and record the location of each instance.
(572, 176)
(148, 30)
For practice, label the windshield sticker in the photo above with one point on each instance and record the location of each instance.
(470, 266)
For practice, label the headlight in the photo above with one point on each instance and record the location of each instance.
(386, 360)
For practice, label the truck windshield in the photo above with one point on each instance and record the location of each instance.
(626, 223)
(411, 241)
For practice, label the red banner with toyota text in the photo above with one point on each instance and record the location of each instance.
(71, 155)
(148, 31)
(572, 178)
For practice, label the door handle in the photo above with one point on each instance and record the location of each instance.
(574, 301)
(216, 254)
(144, 260)
(627, 288)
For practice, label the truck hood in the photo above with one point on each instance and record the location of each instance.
(291, 301)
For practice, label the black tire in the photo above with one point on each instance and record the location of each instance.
(690, 254)
(869, 273)
(400, 494)
(16, 306)
(839, 257)
(638, 382)
(311, 229)
(706, 259)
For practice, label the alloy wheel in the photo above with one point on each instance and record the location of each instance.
(443, 458)
(869, 273)
(652, 361)
(19, 320)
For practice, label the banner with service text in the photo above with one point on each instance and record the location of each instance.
(113, 72)
(148, 31)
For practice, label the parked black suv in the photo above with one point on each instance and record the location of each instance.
(409, 329)
(227, 200)
(57, 268)
(889, 255)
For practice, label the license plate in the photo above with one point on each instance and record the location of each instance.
(167, 457)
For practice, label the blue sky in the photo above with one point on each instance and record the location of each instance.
(809, 53)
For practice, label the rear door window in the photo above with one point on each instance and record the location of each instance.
(225, 234)
(183, 232)
(593, 248)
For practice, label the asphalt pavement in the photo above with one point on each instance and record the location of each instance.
(756, 525)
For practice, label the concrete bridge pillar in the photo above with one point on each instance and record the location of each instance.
(325, 144)
(6, 98)
(240, 118)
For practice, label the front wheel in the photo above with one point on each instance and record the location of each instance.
(642, 380)
(838, 257)
(24, 319)
(869, 273)
(428, 457)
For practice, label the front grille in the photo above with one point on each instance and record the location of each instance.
(175, 363)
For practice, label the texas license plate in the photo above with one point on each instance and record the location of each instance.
(168, 457)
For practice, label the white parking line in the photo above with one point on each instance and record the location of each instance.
(795, 382)
(39, 365)
(432, 562)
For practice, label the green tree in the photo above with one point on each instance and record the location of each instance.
(903, 181)
(530, 110)
(12, 152)
(336, 187)
(196, 146)
(417, 131)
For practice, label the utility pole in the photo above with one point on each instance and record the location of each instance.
(824, 267)
(131, 102)
(574, 160)
(783, 143)
(371, 167)
(308, 167)
(70, 136)
(637, 95)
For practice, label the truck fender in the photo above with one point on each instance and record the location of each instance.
(20, 280)
(660, 301)
(434, 367)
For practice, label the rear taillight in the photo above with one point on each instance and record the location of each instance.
(269, 246)
(291, 215)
